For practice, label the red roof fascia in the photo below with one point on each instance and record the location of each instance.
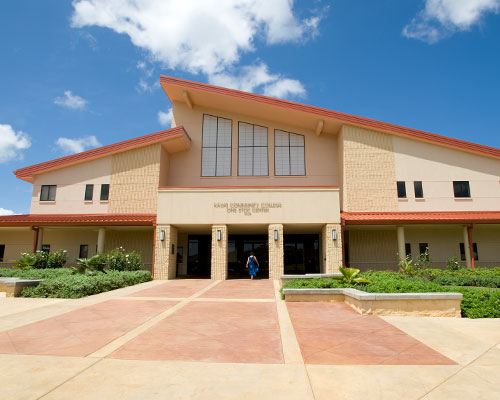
(140, 141)
(249, 187)
(343, 117)
(390, 218)
(78, 220)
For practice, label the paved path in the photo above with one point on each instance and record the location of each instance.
(206, 339)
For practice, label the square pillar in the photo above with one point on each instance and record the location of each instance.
(276, 251)
(219, 252)
(165, 252)
(332, 248)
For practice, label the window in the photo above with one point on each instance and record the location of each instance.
(461, 188)
(408, 249)
(289, 154)
(422, 247)
(180, 255)
(89, 192)
(252, 150)
(104, 192)
(46, 248)
(2, 251)
(84, 251)
(216, 146)
(48, 193)
(474, 249)
(401, 189)
(419, 191)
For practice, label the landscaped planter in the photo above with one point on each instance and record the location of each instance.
(286, 278)
(439, 304)
(14, 286)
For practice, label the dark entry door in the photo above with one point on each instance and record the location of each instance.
(199, 255)
(301, 254)
(239, 249)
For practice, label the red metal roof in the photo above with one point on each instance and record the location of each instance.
(157, 137)
(339, 116)
(443, 217)
(78, 220)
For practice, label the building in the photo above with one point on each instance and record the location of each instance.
(307, 189)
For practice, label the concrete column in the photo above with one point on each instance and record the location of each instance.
(401, 243)
(332, 248)
(219, 252)
(39, 242)
(101, 238)
(165, 252)
(276, 252)
(467, 248)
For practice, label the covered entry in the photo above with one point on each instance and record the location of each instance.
(239, 249)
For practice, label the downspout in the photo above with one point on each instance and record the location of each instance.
(35, 241)
(471, 246)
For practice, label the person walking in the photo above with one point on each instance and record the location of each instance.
(252, 265)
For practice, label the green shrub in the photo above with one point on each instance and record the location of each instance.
(57, 259)
(406, 266)
(452, 264)
(479, 303)
(26, 261)
(41, 259)
(119, 260)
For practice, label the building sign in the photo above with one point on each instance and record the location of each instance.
(247, 209)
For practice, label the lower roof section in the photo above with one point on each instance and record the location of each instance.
(78, 220)
(441, 217)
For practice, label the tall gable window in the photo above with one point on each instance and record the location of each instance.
(48, 193)
(401, 185)
(216, 146)
(89, 193)
(252, 150)
(104, 192)
(461, 188)
(289, 154)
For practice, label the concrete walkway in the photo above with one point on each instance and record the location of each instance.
(201, 339)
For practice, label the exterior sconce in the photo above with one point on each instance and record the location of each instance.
(334, 234)
(162, 236)
(275, 235)
(219, 234)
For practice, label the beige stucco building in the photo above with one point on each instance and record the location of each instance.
(306, 189)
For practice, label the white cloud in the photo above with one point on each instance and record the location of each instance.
(203, 36)
(165, 118)
(71, 146)
(258, 78)
(442, 18)
(3, 211)
(12, 143)
(69, 100)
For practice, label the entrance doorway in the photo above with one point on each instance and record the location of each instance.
(239, 248)
(199, 256)
(301, 254)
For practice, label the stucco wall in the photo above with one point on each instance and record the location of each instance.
(70, 239)
(373, 248)
(16, 241)
(185, 168)
(132, 240)
(437, 167)
(70, 193)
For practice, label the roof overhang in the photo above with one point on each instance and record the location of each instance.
(316, 119)
(173, 140)
(78, 220)
(416, 218)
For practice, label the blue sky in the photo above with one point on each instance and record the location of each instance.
(75, 75)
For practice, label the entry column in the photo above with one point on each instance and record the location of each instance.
(332, 248)
(276, 251)
(165, 252)
(219, 252)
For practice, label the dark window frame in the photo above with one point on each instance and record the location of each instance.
(418, 189)
(89, 194)
(48, 192)
(408, 249)
(423, 246)
(104, 192)
(461, 189)
(2, 252)
(401, 188)
(474, 250)
(84, 251)
(289, 153)
(252, 147)
(46, 248)
(216, 147)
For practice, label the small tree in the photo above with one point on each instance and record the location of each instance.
(406, 266)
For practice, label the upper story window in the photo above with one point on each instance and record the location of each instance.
(252, 150)
(2, 251)
(89, 192)
(48, 193)
(461, 188)
(104, 192)
(419, 191)
(401, 189)
(289, 154)
(216, 146)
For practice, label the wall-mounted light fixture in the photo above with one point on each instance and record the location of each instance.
(219, 235)
(162, 236)
(276, 234)
(334, 234)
